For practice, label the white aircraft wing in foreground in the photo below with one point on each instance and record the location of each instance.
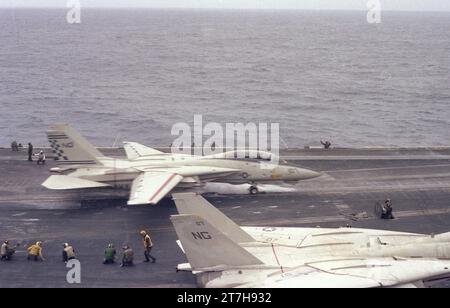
(150, 188)
(153, 184)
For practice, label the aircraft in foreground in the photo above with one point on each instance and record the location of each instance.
(223, 255)
(153, 174)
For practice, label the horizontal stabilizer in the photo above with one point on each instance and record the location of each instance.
(135, 150)
(60, 182)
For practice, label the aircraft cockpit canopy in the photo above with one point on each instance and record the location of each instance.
(248, 154)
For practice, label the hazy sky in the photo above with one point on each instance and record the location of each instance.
(417, 5)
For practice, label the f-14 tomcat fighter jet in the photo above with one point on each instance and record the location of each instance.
(222, 254)
(153, 174)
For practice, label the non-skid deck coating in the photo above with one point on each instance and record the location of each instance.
(417, 180)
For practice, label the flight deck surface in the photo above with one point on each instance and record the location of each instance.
(417, 181)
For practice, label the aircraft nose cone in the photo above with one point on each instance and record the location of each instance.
(308, 174)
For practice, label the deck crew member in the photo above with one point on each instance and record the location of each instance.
(110, 254)
(41, 158)
(326, 144)
(14, 146)
(35, 252)
(387, 210)
(30, 151)
(6, 252)
(68, 253)
(128, 256)
(148, 245)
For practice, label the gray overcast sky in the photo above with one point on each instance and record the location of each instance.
(416, 5)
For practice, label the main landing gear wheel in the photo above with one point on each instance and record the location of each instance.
(253, 190)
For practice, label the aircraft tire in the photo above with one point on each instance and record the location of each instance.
(253, 190)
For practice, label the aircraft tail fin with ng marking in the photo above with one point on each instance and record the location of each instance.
(207, 248)
(194, 204)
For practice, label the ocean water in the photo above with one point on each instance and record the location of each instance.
(132, 74)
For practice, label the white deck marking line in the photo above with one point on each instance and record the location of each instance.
(368, 157)
(388, 168)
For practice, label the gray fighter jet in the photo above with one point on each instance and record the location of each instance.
(152, 174)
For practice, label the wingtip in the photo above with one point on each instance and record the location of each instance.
(140, 203)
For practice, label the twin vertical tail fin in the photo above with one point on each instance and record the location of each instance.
(70, 147)
(193, 204)
(207, 248)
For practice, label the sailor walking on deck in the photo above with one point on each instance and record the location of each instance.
(148, 245)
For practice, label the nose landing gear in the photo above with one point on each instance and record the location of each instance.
(253, 190)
